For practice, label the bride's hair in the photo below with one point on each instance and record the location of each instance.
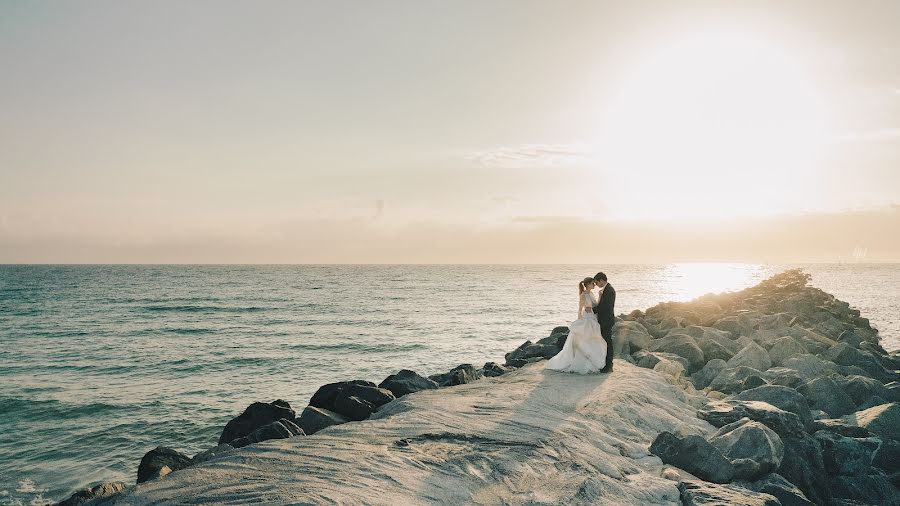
(582, 286)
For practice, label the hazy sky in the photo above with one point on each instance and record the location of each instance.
(463, 131)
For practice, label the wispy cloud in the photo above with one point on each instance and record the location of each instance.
(531, 155)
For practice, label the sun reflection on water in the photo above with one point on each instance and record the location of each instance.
(686, 281)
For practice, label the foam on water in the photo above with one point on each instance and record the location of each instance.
(99, 364)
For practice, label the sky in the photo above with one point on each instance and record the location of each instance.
(449, 132)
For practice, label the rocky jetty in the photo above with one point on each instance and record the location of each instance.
(777, 394)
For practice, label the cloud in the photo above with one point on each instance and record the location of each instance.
(531, 155)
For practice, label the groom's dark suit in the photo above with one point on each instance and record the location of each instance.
(606, 315)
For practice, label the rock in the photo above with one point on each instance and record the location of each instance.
(314, 419)
(825, 394)
(747, 439)
(753, 355)
(559, 330)
(526, 351)
(802, 465)
(280, 429)
(887, 456)
(255, 416)
(883, 420)
(693, 454)
(327, 394)
(713, 349)
(682, 345)
(373, 395)
(872, 488)
(704, 376)
(670, 368)
(493, 369)
(354, 408)
(695, 493)
(844, 354)
(721, 413)
(840, 427)
(781, 397)
(775, 485)
(407, 382)
(211, 454)
(459, 375)
(103, 490)
(746, 469)
(161, 456)
(846, 455)
(784, 377)
(629, 336)
(862, 388)
(649, 359)
(753, 382)
(736, 325)
(784, 348)
(809, 367)
(731, 380)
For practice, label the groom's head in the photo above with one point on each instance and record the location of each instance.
(600, 279)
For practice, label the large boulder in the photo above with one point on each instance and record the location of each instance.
(731, 379)
(882, 420)
(326, 395)
(280, 429)
(698, 493)
(682, 345)
(528, 350)
(747, 439)
(784, 348)
(840, 427)
(810, 367)
(846, 455)
(459, 375)
(721, 413)
(406, 382)
(629, 336)
(753, 355)
(314, 419)
(373, 395)
(210, 454)
(824, 394)
(784, 377)
(846, 355)
(873, 488)
(255, 416)
(802, 465)
(713, 349)
(775, 485)
(863, 388)
(704, 376)
(101, 491)
(737, 325)
(354, 408)
(159, 462)
(493, 369)
(887, 456)
(784, 398)
(695, 455)
(649, 359)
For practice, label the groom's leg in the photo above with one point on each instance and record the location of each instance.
(606, 332)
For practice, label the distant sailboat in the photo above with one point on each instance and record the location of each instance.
(859, 253)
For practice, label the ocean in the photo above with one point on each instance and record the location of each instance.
(101, 363)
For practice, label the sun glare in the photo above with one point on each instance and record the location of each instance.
(725, 121)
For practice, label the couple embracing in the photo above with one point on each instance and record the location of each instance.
(589, 345)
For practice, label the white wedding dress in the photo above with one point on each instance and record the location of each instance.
(585, 349)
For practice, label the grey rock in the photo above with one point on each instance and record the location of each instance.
(630, 336)
(802, 465)
(887, 456)
(528, 350)
(327, 394)
(314, 419)
(753, 355)
(746, 469)
(826, 395)
(375, 396)
(649, 359)
(101, 491)
(882, 420)
(844, 354)
(158, 458)
(255, 416)
(212, 453)
(406, 382)
(704, 376)
(775, 485)
(696, 493)
(354, 408)
(559, 330)
(784, 377)
(459, 375)
(695, 455)
(753, 382)
(863, 388)
(280, 429)
(747, 439)
(493, 369)
(873, 488)
(682, 345)
(781, 397)
(784, 348)
(845, 455)
(810, 367)
(715, 348)
(731, 380)
(721, 413)
(840, 427)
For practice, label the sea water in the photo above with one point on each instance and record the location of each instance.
(100, 364)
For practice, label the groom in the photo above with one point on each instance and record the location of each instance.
(605, 311)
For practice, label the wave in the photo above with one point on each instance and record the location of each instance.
(54, 409)
(203, 309)
(359, 347)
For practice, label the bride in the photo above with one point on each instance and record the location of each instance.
(585, 350)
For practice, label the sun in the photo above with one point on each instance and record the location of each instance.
(725, 121)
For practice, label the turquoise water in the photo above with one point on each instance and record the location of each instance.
(99, 364)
